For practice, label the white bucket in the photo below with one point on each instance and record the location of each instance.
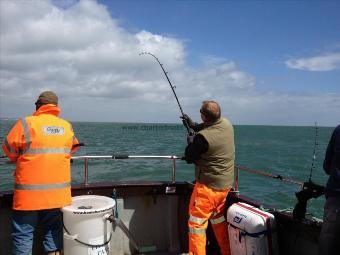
(86, 231)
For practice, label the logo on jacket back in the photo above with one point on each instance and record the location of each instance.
(53, 130)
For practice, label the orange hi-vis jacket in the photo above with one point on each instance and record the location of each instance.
(41, 146)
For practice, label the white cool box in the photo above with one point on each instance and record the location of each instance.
(251, 231)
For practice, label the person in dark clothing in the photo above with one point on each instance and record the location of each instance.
(330, 234)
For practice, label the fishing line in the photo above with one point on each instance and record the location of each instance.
(171, 86)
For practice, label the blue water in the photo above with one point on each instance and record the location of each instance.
(287, 151)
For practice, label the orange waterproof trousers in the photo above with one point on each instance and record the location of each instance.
(207, 204)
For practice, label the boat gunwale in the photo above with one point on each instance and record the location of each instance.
(289, 230)
(155, 188)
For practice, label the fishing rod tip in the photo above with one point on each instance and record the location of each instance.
(144, 53)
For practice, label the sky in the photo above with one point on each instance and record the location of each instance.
(264, 62)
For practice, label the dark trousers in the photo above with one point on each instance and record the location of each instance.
(329, 243)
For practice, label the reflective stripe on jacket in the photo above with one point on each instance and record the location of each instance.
(41, 145)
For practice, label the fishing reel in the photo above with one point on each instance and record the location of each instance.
(309, 190)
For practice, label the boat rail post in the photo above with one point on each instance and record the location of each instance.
(86, 171)
(236, 179)
(173, 169)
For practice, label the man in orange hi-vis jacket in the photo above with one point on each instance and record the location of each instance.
(212, 151)
(41, 146)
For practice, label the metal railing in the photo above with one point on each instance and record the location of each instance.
(173, 173)
(116, 157)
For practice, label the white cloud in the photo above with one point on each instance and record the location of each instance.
(64, 3)
(327, 62)
(76, 50)
(285, 108)
(93, 63)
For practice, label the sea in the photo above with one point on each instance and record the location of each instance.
(280, 150)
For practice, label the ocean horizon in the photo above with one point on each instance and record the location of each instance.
(279, 150)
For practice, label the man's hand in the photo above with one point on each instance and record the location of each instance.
(188, 121)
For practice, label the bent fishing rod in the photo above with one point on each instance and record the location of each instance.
(172, 88)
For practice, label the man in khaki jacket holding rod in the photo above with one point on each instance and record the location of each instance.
(212, 151)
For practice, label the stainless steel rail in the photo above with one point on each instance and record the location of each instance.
(174, 158)
(116, 157)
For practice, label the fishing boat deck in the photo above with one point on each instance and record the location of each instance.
(157, 217)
